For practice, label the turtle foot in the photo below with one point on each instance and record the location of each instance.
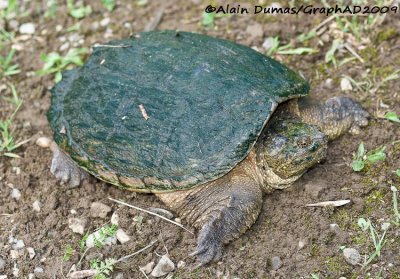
(346, 106)
(233, 209)
(64, 169)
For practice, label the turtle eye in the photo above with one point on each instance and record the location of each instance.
(304, 141)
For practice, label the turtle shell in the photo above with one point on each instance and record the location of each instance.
(167, 110)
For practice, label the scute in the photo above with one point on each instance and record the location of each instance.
(207, 101)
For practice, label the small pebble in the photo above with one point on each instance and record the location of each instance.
(27, 28)
(111, 240)
(16, 170)
(163, 267)
(14, 254)
(31, 276)
(345, 85)
(98, 209)
(148, 267)
(329, 83)
(2, 264)
(115, 218)
(180, 264)
(38, 269)
(122, 236)
(77, 225)
(268, 43)
(64, 46)
(334, 228)
(59, 28)
(105, 21)
(43, 142)
(276, 263)
(302, 244)
(15, 271)
(19, 244)
(31, 252)
(15, 194)
(178, 220)
(3, 276)
(352, 256)
(36, 206)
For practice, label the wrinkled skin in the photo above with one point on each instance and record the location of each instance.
(294, 140)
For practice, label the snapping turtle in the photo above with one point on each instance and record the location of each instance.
(206, 124)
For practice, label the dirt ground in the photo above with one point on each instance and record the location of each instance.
(305, 239)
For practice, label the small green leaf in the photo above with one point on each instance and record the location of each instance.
(208, 19)
(398, 172)
(108, 4)
(361, 151)
(358, 165)
(377, 154)
(11, 155)
(363, 224)
(58, 77)
(392, 116)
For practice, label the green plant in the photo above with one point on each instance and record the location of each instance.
(14, 99)
(378, 240)
(103, 268)
(362, 157)
(5, 37)
(68, 252)
(78, 12)
(371, 84)
(11, 9)
(330, 54)
(55, 63)
(82, 242)
(103, 233)
(108, 4)
(7, 144)
(208, 19)
(287, 49)
(306, 36)
(392, 116)
(51, 9)
(6, 67)
(398, 172)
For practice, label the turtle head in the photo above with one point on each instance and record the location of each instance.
(287, 149)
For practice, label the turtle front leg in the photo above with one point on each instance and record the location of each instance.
(334, 117)
(64, 169)
(221, 210)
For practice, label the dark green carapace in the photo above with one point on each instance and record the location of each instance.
(207, 101)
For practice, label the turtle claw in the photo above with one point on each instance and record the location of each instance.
(65, 170)
(210, 242)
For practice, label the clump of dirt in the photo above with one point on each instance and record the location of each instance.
(306, 240)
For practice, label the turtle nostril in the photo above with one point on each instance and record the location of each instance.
(304, 141)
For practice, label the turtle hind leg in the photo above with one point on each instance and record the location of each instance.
(221, 210)
(334, 117)
(64, 169)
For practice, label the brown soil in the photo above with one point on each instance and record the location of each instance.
(284, 221)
